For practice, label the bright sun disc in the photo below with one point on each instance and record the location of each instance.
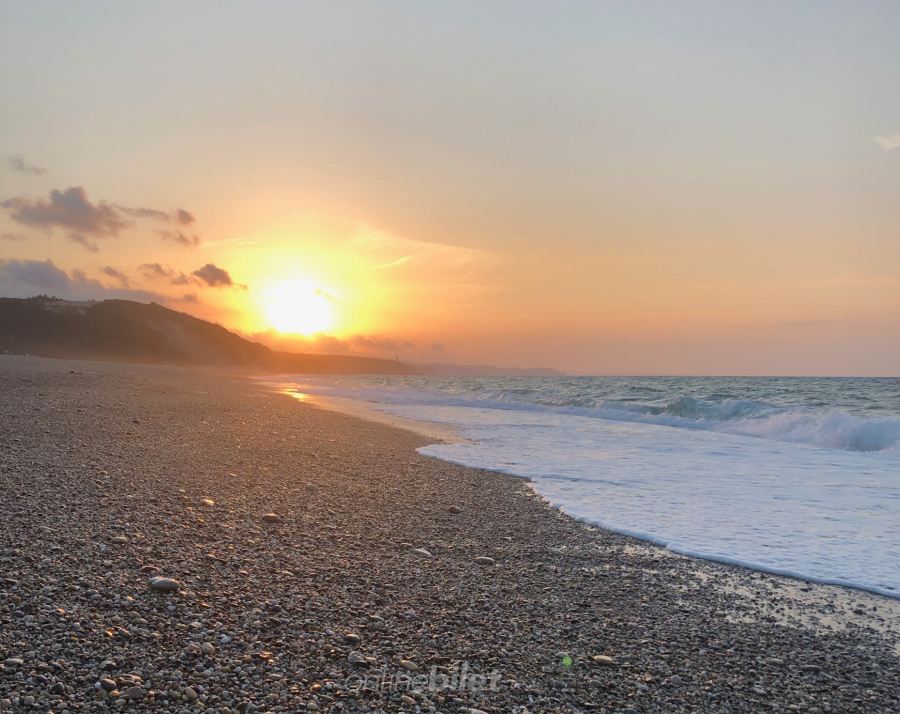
(299, 307)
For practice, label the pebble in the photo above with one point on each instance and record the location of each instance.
(675, 680)
(484, 560)
(410, 666)
(118, 539)
(191, 693)
(423, 552)
(28, 701)
(107, 684)
(604, 660)
(164, 585)
(134, 693)
(271, 518)
(454, 509)
(352, 639)
(208, 648)
(208, 502)
(356, 658)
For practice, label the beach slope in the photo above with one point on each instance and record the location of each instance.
(322, 564)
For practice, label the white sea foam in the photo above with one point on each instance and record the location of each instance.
(814, 494)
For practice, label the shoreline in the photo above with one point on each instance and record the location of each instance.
(447, 433)
(94, 453)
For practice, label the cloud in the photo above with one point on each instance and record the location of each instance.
(17, 162)
(889, 142)
(393, 263)
(378, 344)
(436, 347)
(190, 297)
(69, 209)
(25, 278)
(155, 271)
(11, 236)
(215, 277)
(183, 217)
(180, 238)
(82, 241)
(179, 215)
(83, 221)
(115, 273)
(359, 345)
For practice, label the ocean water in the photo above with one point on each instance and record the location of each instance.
(798, 476)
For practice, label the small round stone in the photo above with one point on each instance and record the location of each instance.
(134, 693)
(484, 560)
(164, 585)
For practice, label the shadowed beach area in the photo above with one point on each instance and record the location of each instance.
(322, 564)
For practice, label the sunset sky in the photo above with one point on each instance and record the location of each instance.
(600, 187)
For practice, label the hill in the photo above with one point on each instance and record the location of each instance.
(125, 331)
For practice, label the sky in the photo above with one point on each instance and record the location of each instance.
(673, 187)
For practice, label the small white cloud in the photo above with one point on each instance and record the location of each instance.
(888, 142)
(392, 264)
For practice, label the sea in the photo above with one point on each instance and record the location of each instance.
(795, 476)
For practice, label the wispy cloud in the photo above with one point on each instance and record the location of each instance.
(179, 215)
(361, 345)
(12, 236)
(72, 211)
(24, 278)
(393, 263)
(888, 142)
(385, 248)
(180, 238)
(155, 271)
(117, 274)
(18, 163)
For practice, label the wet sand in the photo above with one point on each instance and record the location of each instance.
(363, 592)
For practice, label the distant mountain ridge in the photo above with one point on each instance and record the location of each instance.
(126, 331)
(445, 369)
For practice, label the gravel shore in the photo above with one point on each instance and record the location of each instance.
(321, 564)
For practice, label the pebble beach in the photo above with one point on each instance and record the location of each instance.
(194, 541)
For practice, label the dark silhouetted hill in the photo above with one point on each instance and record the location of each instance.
(125, 331)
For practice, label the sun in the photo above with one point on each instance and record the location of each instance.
(298, 306)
